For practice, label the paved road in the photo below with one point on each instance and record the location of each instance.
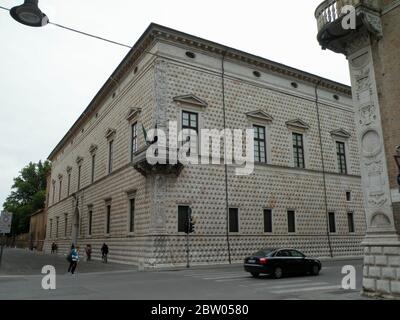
(210, 283)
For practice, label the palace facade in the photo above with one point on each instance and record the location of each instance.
(305, 191)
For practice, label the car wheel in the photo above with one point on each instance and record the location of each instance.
(314, 270)
(278, 273)
(255, 274)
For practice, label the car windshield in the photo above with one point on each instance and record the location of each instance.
(264, 253)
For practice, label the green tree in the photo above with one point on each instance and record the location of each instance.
(28, 195)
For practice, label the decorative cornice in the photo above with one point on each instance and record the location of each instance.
(298, 124)
(260, 115)
(341, 133)
(191, 99)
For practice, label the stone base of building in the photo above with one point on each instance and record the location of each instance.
(381, 278)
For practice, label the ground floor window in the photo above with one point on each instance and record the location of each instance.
(268, 220)
(183, 218)
(233, 220)
(291, 221)
(350, 218)
(332, 222)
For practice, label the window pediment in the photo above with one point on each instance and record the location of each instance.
(69, 169)
(60, 176)
(132, 113)
(298, 124)
(110, 133)
(191, 99)
(260, 115)
(340, 133)
(93, 148)
(79, 160)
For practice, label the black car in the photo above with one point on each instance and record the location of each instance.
(280, 262)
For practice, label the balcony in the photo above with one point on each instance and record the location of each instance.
(333, 35)
(141, 164)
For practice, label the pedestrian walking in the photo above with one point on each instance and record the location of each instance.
(53, 248)
(73, 259)
(104, 253)
(88, 250)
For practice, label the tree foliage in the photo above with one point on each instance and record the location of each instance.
(28, 195)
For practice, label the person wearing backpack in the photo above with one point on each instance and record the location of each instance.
(73, 259)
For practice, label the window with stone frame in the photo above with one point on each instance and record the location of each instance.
(291, 221)
(183, 218)
(260, 146)
(234, 220)
(341, 157)
(298, 150)
(190, 121)
(332, 222)
(268, 220)
(134, 139)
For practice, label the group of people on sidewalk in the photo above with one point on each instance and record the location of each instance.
(73, 256)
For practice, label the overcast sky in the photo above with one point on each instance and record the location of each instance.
(48, 75)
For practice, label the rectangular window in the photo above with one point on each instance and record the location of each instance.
(350, 218)
(110, 156)
(260, 153)
(134, 140)
(341, 157)
(90, 218)
(298, 150)
(131, 215)
(60, 191)
(190, 121)
(108, 219)
(57, 223)
(69, 184)
(51, 228)
(93, 167)
(234, 220)
(268, 220)
(66, 226)
(54, 192)
(79, 177)
(348, 196)
(183, 218)
(291, 221)
(332, 222)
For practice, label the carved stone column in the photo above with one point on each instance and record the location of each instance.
(382, 245)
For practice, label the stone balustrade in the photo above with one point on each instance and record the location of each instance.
(331, 10)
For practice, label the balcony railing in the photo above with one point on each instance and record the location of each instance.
(331, 10)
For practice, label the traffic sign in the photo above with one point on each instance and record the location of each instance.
(5, 222)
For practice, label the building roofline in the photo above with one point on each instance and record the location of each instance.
(155, 31)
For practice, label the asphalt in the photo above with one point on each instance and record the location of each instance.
(21, 278)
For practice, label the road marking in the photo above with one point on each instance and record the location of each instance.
(307, 289)
(227, 277)
(298, 285)
(281, 282)
(200, 275)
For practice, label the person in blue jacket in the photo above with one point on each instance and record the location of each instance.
(73, 259)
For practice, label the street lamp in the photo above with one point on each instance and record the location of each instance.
(29, 14)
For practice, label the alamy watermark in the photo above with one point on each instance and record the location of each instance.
(191, 147)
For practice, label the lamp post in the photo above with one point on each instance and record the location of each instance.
(29, 14)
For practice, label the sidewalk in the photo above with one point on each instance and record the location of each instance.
(26, 262)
